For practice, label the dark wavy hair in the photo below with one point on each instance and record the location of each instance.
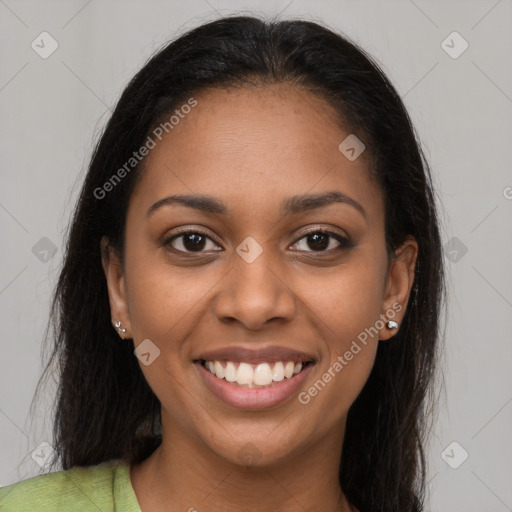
(104, 408)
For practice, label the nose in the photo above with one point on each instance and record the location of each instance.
(255, 293)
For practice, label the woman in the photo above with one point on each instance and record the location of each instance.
(248, 313)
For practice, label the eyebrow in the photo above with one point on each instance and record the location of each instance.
(291, 206)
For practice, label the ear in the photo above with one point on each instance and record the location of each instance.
(113, 269)
(400, 280)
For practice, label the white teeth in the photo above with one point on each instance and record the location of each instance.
(278, 372)
(262, 375)
(230, 372)
(247, 375)
(244, 374)
(219, 371)
(288, 369)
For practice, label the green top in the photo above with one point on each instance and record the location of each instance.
(105, 487)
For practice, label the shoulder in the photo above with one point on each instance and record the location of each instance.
(79, 488)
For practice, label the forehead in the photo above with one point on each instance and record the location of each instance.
(253, 146)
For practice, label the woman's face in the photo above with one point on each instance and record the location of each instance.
(256, 289)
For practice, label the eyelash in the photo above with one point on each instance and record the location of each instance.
(344, 242)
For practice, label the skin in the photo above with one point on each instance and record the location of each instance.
(252, 148)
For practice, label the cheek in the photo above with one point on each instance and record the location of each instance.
(164, 306)
(346, 307)
(348, 299)
(350, 347)
(162, 298)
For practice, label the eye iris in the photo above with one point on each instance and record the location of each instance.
(322, 238)
(197, 241)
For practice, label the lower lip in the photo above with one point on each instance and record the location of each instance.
(252, 398)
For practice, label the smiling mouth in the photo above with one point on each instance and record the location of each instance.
(246, 375)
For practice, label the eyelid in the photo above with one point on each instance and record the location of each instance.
(326, 231)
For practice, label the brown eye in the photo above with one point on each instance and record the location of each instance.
(323, 241)
(190, 241)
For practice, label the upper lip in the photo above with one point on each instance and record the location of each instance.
(255, 355)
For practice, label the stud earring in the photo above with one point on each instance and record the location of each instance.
(391, 324)
(117, 325)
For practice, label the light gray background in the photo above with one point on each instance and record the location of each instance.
(52, 110)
